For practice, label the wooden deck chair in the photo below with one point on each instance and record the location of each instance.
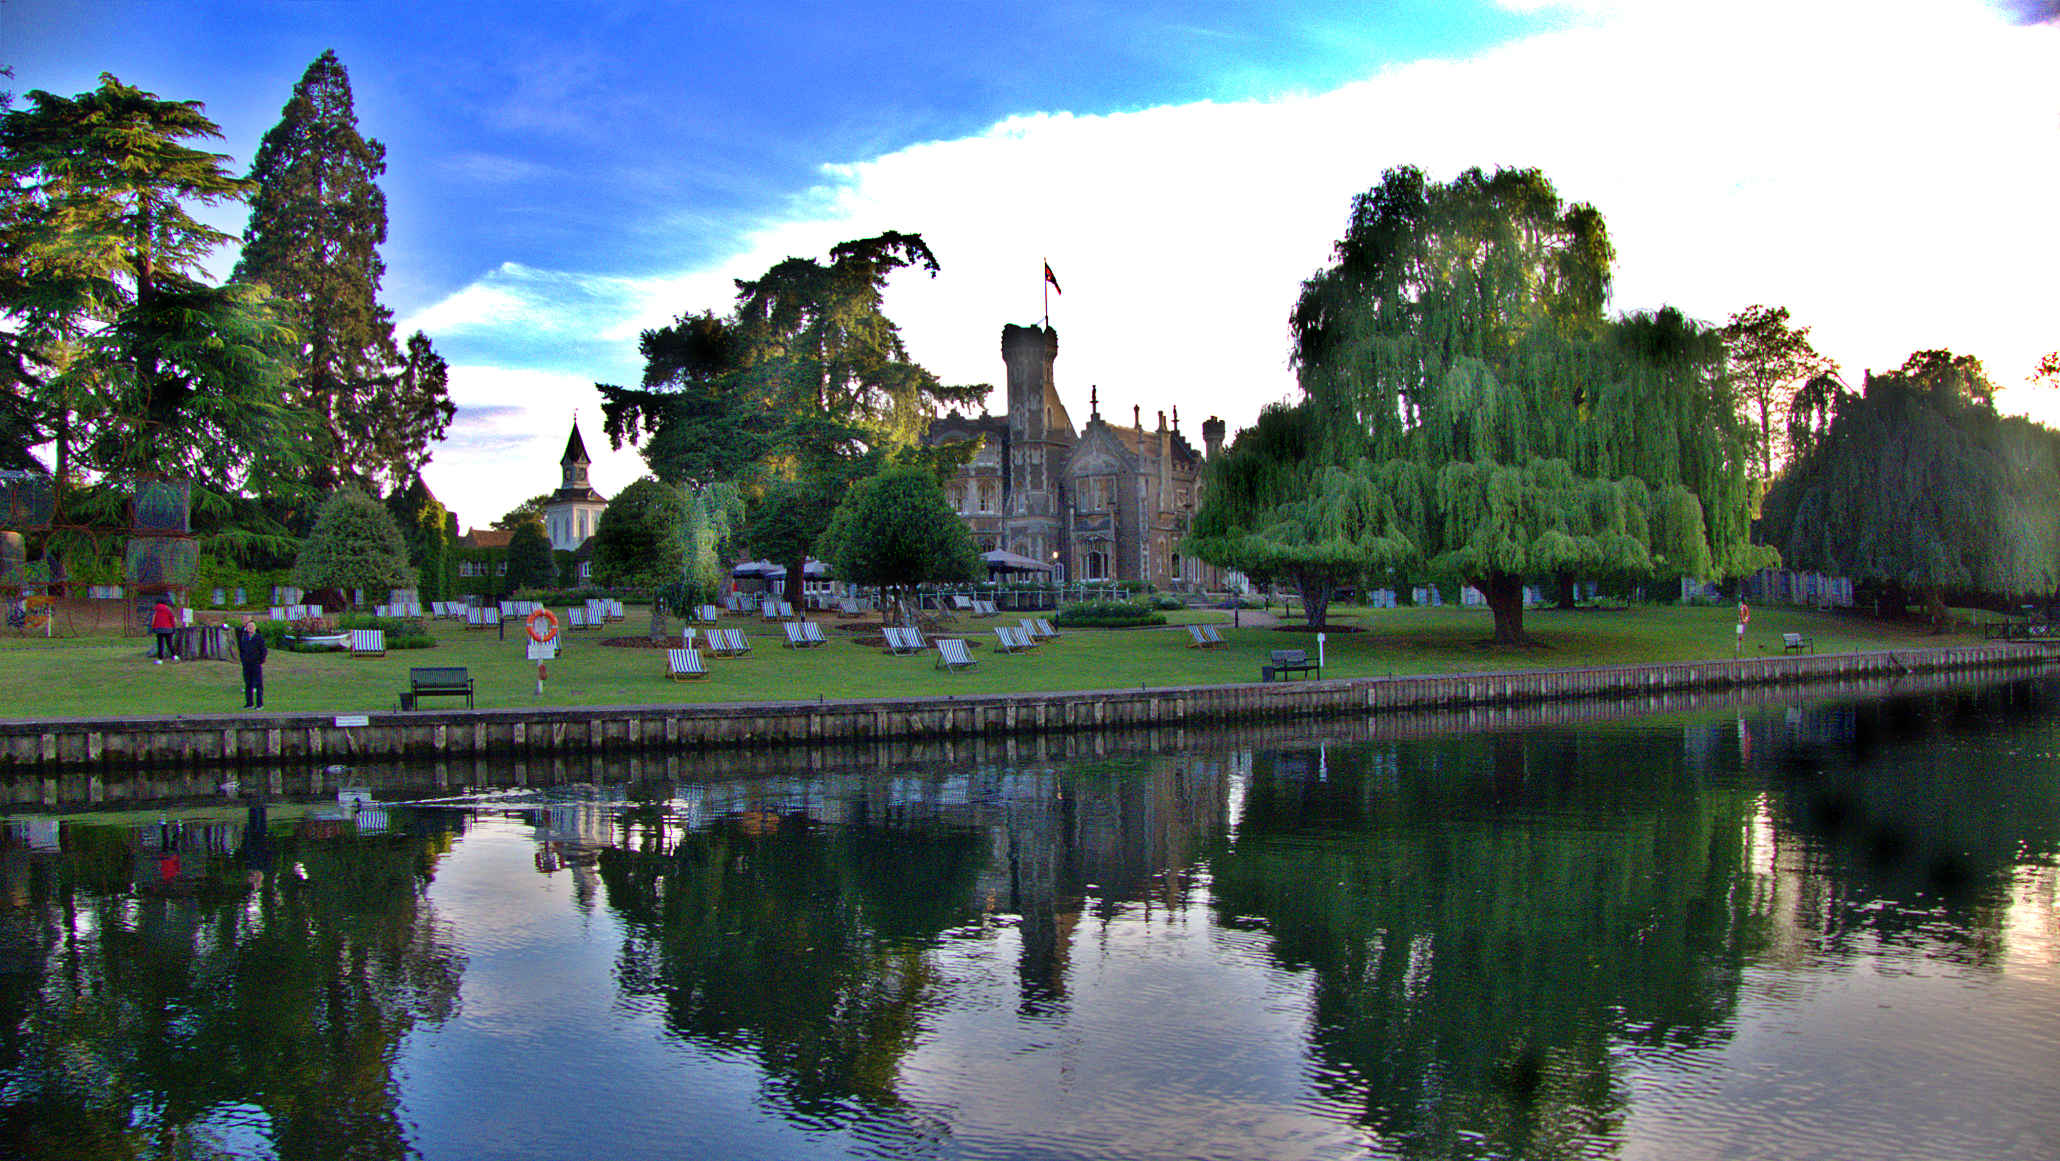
(368, 642)
(1196, 640)
(985, 609)
(1045, 630)
(277, 612)
(848, 607)
(490, 617)
(962, 603)
(734, 643)
(952, 655)
(1011, 640)
(786, 611)
(794, 637)
(813, 634)
(1210, 634)
(684, 665)
(706, 614)
(575, 618)
(475, 618)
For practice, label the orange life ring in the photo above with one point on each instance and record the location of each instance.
(550, 629)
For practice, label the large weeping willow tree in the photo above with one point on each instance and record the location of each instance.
(1457, 356)
(1919, 486)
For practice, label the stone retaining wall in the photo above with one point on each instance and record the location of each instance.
(52, 747)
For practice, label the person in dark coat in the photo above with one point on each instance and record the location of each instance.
(161, 623)
(250, 649)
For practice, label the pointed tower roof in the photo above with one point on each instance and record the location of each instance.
(575, 447)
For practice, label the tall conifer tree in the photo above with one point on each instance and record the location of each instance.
(317, 221)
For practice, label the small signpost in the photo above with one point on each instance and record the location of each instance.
(542, 652)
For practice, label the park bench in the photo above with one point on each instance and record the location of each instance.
(1287, 661)
(1797, 643)
(437, 681)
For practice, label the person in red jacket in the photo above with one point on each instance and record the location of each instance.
(161, 623)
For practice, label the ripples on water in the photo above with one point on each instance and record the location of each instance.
(1792, 931)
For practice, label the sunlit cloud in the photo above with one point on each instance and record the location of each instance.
(1885, 171)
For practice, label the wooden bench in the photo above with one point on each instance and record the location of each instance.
(1286, 661)
(437, 681)
(1797, 643)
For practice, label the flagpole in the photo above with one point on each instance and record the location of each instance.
(1044, 284)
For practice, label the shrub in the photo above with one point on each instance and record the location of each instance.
(1107, 615)
(1166, 602)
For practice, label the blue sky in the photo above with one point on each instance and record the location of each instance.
(561, 176)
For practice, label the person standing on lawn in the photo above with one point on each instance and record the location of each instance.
(250, 649)
(162, 623)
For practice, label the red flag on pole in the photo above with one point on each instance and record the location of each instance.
(1052, 278)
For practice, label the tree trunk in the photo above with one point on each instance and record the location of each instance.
(1316, 590)
(1567, 597)
(658, 626)
(795, 579)
(1505, 593)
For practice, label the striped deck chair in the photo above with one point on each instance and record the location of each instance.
(1196, 639)
(962, 603)
(952, 655)
(368, 642)
(1214, 638)
(277, 612)
(1045, 630)
(490, 617)
(475, 618)
(684, 665)
(985, 609)
(728, 642)
(1012, 640)
(575, 619)
(706, 614)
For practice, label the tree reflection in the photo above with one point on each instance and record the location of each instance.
(802, 944)
(1488, 924)
(1914, 812)
(155, 1013)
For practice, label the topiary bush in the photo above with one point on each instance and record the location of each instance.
(1108, 615)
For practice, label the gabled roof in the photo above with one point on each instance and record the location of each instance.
(575, 448)
(486, 538)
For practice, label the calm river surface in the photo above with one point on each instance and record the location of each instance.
(1787, 931)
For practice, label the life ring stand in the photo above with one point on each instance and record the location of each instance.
(549, 629)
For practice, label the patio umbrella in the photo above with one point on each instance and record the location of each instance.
(1001, 560)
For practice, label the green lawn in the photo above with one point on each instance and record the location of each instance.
(112, 676)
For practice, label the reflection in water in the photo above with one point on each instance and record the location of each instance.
(156, 1004)
(1555, 941)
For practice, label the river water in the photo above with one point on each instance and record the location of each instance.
(1797, 930)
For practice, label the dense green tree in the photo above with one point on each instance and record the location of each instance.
(714, 520)
(1920, 486)
(526, 512)
(529, 557)
(897, 530)
(131, 361)
(1812, 411)
(1768, 357)
(435, 540)
(806, 380)
(1274, 512)
(788, 520)
(640, 543)
(355, 545)
(317, 220)
(1456, 355)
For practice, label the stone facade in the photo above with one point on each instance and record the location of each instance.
(1104, 502)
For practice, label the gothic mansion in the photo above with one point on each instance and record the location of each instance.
(1105, 503)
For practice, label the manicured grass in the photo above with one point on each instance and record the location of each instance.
(97, 676)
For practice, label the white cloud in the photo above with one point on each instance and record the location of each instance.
(1886, 171)
(503, 446)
